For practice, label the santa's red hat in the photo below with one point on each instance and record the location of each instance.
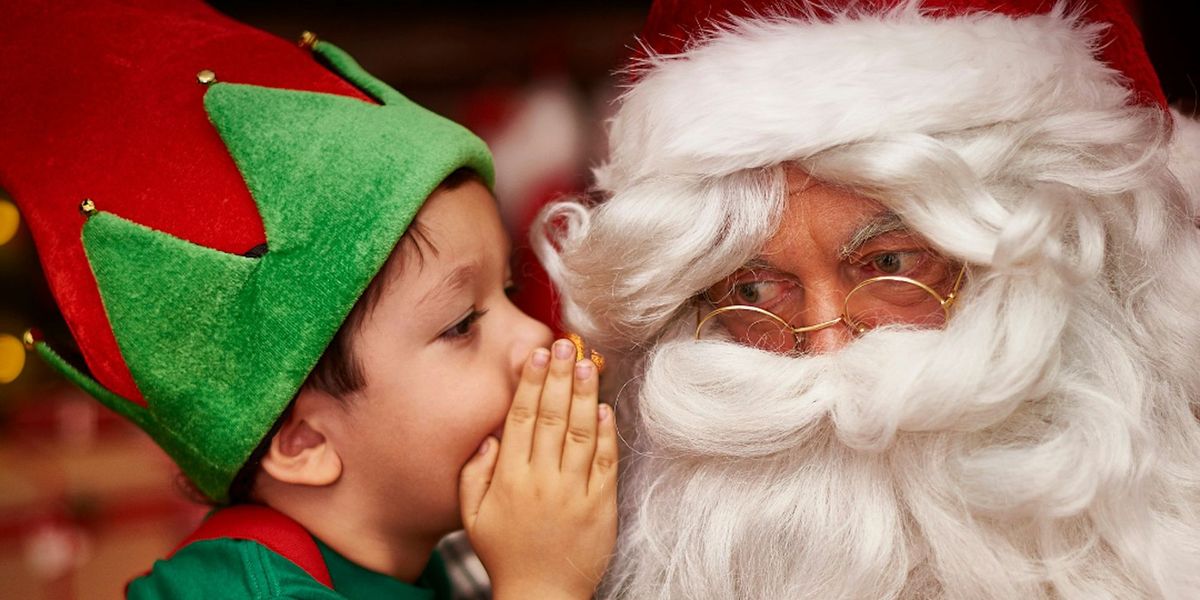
(733, 84)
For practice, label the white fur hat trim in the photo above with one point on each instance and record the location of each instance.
(762, 91)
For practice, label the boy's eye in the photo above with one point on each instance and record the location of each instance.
(464, 327)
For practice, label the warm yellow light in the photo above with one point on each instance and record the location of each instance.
(10, 219)
(12, 358)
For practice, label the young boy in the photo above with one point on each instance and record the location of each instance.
(318, 330)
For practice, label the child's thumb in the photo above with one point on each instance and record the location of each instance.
(475, 479)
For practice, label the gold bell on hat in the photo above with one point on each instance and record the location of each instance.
(307, 40)
(31, 337)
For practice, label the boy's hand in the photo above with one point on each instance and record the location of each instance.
(541, 511)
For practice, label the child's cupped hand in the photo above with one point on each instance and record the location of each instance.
(540, 507)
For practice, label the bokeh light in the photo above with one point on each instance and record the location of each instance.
(12, 358)
(10, 221)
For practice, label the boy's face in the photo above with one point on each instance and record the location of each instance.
(441, 353)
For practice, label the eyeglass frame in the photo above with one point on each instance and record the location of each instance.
(945, 302)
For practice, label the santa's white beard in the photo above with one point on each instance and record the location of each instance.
(1028, 450)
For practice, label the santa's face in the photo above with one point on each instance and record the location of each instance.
(838, 265)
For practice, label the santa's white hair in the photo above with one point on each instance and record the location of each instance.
(1043, 444)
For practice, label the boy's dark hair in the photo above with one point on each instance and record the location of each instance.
(338, 372)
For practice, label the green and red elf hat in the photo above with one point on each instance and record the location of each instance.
(208, 203)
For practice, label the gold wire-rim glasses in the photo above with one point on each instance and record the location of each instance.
(945, 302)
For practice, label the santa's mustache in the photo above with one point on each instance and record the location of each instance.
(719, 398)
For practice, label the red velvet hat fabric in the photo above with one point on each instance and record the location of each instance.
(102, 101)
(675, 25)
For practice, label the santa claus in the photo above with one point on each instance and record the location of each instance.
(902, 298)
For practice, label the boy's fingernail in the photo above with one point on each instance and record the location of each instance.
(564, 349)
(541, 356)
(584, 369)
(485, 446)
(605, 411)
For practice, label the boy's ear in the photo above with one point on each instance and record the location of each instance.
(302, 451)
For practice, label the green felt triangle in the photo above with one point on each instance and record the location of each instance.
(219, 344)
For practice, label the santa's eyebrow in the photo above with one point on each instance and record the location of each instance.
(881, 223)
(884, 222)
(758, 264)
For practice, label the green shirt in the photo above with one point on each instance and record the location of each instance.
(235, 569)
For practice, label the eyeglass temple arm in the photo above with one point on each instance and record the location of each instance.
(954, 291)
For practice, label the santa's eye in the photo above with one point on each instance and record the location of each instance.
(756, 293)
(889, 263)
(892, 262)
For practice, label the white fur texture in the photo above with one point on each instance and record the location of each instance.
(1043, 445)
(1185, 158)
(769, 87)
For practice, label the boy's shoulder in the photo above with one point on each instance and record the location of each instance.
(227, 568)
(256, 552)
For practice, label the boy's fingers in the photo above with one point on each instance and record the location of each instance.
(603, 479)
(475, 479)
(580, 445)
(553, 408)
(522, 415)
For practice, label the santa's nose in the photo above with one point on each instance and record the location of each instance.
(826, 299)
(829, 339)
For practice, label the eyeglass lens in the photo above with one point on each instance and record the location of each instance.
(872, 303)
